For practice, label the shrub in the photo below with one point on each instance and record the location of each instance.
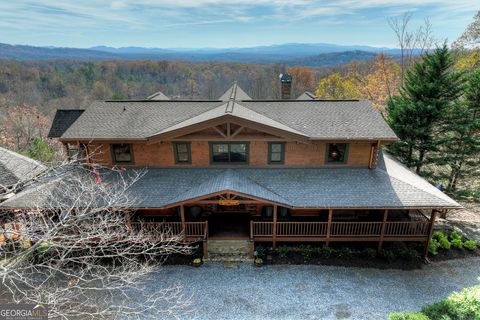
(368, 253)
(437, 235)
(345, 253)
(454, 235)
(388, 255)
(306, 251)
(433, 247)
(457, 243)
(325, 252)
(470, 245)
(408, 316)
(409, 254)
(444, 243)
(282, 251)
(260, 252)
(258, 261)
(459, 305)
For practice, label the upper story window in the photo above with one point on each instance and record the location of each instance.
(276, 153)
(122, 153)
(229, 152)
(337, 153)
(182, 152)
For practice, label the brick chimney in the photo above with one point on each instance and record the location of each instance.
(286, 86)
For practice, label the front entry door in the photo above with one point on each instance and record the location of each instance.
(229, 224)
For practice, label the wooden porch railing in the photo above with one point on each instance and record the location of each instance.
(285, 229)
(340, 229)
(192, 229)
(413, 228)
(354, 229)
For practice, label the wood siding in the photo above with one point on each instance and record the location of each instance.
(296, 154)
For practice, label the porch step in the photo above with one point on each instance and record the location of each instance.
(228, 251)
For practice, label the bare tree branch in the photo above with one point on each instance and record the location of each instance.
(76, 252)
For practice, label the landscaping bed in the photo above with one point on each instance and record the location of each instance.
(396, 255)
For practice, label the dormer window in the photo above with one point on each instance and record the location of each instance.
(122, 153)
(276, 153)
(336, 153)
(229, 152)
(182, 152)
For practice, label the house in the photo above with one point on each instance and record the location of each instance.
(257, 171)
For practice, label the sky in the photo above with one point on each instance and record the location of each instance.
(222, 23)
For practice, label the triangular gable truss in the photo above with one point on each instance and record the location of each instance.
(225, 195)
(226, 115)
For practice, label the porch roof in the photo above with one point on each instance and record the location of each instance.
(390, 185)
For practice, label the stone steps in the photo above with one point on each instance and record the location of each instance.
(228, 251)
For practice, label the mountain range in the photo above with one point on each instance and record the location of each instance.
(313, 55)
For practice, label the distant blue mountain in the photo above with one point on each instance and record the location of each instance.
(320, 54)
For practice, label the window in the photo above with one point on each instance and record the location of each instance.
(276, 152)
(182, 152)
(229, 152)
(122, 153)
(337, 153)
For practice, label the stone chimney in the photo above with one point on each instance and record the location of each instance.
(286, 86)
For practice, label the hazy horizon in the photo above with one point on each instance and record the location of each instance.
(222, 23)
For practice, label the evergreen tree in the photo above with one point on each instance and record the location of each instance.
(461, 149)
(418, 114)
(40, 150)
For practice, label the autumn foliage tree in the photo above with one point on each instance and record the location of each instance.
(303, 80)
(335, 86)
(381, 83)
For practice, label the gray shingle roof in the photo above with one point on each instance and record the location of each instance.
(133, 120)
(62, 121)
(15, 168)
(391, 185)
(316, 119)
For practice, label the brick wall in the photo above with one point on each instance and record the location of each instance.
(296, 154)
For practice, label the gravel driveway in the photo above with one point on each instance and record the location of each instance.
(314, 292)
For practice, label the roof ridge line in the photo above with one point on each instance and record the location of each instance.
(231, 101)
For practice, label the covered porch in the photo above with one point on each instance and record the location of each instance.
(231, 215)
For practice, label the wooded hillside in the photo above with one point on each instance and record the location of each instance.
(74, 84)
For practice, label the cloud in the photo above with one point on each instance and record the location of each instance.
(71, 17)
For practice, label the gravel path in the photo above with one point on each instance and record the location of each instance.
(314, 292)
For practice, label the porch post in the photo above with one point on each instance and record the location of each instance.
(329, 225)
(182, 217)
(382, 233)
(274, 226)
(430, 231)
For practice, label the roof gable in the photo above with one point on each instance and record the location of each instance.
(228, 180)
(234, 93)
(62, 121)
(229, 112)
(159, 96)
